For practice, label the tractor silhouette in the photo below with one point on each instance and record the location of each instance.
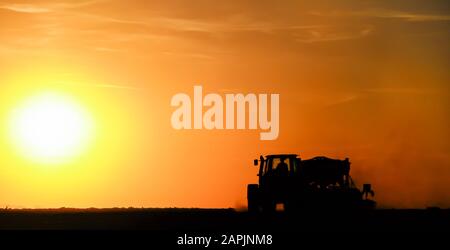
(317, 183)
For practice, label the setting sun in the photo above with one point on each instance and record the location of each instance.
(50, 128)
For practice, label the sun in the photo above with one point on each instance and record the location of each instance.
(50, 127)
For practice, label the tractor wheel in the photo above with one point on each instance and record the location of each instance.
(291, 206)
(252, 198)
(269, 206)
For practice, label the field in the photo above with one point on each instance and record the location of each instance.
(223, 220)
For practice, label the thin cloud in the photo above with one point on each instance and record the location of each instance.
(197, 25)
(419, 18)
(45, 8)
(343, 100)
(25, 8)
(381, 13)
(101, 85)
(191, 55)
(411, 17)
(115, 86)
(107, 19)
(230, 25)
(105, 49)
(318, 35)
(401, 90)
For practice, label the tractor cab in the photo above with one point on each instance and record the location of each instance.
(282, 164)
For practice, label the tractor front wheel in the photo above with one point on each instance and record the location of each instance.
(252, 198)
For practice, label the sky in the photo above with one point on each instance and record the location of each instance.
(368, 80)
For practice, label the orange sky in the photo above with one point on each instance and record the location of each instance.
(368, 80)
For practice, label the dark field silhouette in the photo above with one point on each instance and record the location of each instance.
(316, 195)
(224, 220)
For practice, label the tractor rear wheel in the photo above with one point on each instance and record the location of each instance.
(252, 198)
(269, 206)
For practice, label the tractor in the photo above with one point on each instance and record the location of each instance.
(317, 183)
